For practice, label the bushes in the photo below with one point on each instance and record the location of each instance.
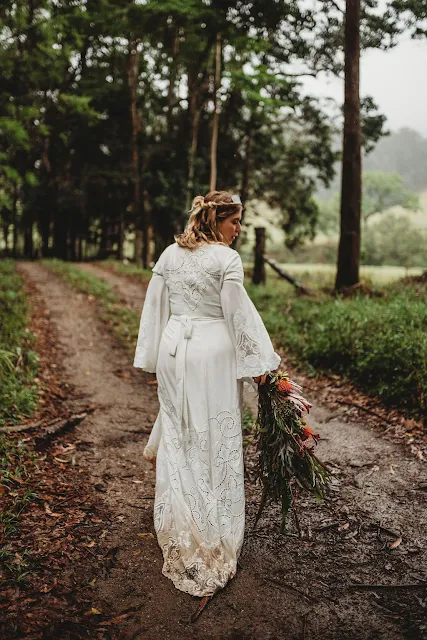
(18, 362)
(394, 240)
(379, 343)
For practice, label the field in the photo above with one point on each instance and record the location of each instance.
(323, 275)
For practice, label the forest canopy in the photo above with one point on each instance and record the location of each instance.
(108, 111)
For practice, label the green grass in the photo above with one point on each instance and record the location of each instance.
(18, 361)
(380, 343)
(129, 269)
(124, 322)
(17, 487)
(323, 275)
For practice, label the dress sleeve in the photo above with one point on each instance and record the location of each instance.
(255, 354)
(154, 317)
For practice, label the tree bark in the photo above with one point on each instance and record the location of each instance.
(132, 78)
(15, 221)
(258, 276)
(5, 227)
(195, 121)
(172, 78)
(215, 120)
(350, 232)
(147, 232)
(28, 236)
(246, 177)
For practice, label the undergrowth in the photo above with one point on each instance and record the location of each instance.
(379, 342)
(18, 490)
(18, 361)
(129, 269)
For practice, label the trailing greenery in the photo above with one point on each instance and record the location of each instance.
(122, 320)
(380, 343)
(18, 361)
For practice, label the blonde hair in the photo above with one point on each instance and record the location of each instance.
(204, 214)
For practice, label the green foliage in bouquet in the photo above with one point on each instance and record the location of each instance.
(285, 461)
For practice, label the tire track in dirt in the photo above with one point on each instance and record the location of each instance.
(286, 587)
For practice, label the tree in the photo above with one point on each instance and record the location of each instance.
(394, 240)
(384, 190)
(380, 191)
(115, 98)
(349, 245)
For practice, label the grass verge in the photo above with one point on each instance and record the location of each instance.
(380, 343)
(18, 361)
(128, 269)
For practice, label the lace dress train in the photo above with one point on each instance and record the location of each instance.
(203, 337)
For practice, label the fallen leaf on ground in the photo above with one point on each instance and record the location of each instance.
(395, 543)
(118, 619)
(93, 612)
(50, 512)
(145, 535)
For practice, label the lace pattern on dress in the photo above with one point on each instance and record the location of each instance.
(144, 353)
(194, 536)
(195, 271)
(249, 350)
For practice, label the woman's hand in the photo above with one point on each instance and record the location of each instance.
(260, 379)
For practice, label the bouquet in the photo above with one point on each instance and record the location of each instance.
(286, 461)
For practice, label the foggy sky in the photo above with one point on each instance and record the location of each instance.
(396, 80)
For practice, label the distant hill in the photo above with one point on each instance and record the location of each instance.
(403, 152)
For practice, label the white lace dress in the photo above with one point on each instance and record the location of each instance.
(202, 336)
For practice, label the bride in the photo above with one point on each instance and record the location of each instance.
(202, 336)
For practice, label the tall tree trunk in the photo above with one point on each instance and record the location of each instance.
(28, 234)
(15, 221)
(247, 168)
(215, 121)
(258, 276)
(147, 232)
(246, 177)
(195, 121)
(5, 227)
(121, 236)
(132, 78)
(349, 245)
(172, 78)
(44, 229)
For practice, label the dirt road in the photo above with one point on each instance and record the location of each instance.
(286, 587)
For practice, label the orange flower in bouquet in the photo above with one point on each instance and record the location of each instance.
(285, 461)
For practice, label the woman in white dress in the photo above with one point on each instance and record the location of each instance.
(202, 336)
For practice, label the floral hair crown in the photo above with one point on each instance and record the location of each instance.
(235, 200)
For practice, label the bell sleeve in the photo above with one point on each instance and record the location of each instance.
(255, 354)
(154, 317)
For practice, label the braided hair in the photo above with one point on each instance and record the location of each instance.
(204, 214)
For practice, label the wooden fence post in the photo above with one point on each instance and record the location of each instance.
(258, 276)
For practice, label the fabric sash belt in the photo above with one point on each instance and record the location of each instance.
(178, 349)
